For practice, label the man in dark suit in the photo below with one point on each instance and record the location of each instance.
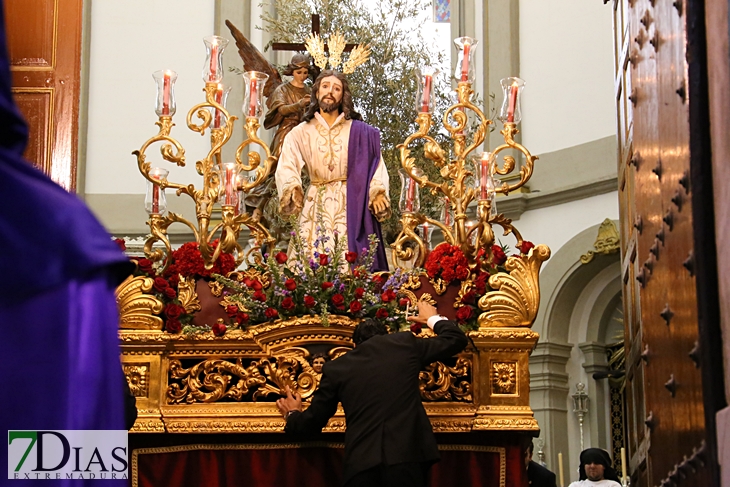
(389, 440)
(537, 475)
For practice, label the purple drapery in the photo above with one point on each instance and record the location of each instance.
(58, 316)
(363, 157)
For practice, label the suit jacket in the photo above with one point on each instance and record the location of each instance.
(377, 383)
(539, 476)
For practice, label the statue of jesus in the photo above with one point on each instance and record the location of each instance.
(342, 155)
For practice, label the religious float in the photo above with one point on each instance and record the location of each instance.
(207, 356)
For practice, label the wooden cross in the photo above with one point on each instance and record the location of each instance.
(293, 46)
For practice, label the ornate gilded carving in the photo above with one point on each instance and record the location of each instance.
(187, 295)
(138, 379)
(504, 378)
(441, 382)
(516, 295)
(137, 309)
(608, 241)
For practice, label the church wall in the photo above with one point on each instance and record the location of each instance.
(566, 59)
(129, 41)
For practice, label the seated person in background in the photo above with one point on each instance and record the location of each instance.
(595, 470)
(537, 475)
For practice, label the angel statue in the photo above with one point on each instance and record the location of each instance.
(286, 103)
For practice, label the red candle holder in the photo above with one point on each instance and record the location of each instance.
(424, 96)
(155, 202)
(221, 98)
(465, 48)
(511, 89)
(212, 69)
(254, 82)
(228, 181)
(409, 199)
(165, 101)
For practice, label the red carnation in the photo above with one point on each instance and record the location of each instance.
(257, 286)
(480, 283)
(120, 242)
(287, 303)
(231, 310)
(173, 325)
(498, 255)
(357, 273)
(469, 298)
(145, 265)
(259, 296)
(359, 293)
(219, 329)
(463, 314)
(526, 246)
(290, 284)
(403, 302)
(415, 327)
(323, 259)
(326, 285)
(309, 301)
(338, 300)
(381, 314)
(462, 272)
(170, 293)
(271, 313)
(174, 311)
(242, 318)
(355, 306)
(160, 284)
(351, 257)
(280, 258)
(387, 296)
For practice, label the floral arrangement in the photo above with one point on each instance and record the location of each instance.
(322, 280)
(186, 262)
(448, 264)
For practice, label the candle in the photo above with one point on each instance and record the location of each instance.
(166, 94)
(229, 186)
(512, 103)
(465, 63)
(213, 61)
(411, 194)
(253, 96)
(484, 176)
(560, 469)
(426, 92)
(218, 99)
(155, 196)
(425, 233)
(623, 464)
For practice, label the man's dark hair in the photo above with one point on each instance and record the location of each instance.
(599, 457)
(368, 329)
(347, 106)
(531, 448)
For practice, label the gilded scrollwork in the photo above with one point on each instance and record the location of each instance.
(441, 382)
(516, 295)
(137, 308)
(187, 295)
(138, 379)
(504, 378)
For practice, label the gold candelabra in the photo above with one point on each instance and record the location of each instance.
(223, 183)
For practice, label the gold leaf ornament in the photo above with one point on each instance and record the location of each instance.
(315, 46)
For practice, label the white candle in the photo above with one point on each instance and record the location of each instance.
(560, 469)
(623, 464)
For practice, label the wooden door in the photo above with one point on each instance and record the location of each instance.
(44, 43)
(665, 411)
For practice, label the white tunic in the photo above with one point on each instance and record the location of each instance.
(598, 483)
(323, 150)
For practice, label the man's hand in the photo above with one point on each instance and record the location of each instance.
(292, 201)
(292, 402)
(380, 207)
(425, 311)
(304, 102)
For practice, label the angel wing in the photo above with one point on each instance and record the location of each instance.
(253, 60)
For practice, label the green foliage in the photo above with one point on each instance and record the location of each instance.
(384, 89)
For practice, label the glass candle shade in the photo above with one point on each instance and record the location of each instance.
(465, 47)
(424, 96)
(221, 98)
(155, 202)
(254, 82)
(409, 199)
(228, 180)
(241, 208)
(511, 90)
(165, 103)
(213, 67)
(426, 231)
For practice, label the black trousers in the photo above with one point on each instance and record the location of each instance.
(412, 474)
